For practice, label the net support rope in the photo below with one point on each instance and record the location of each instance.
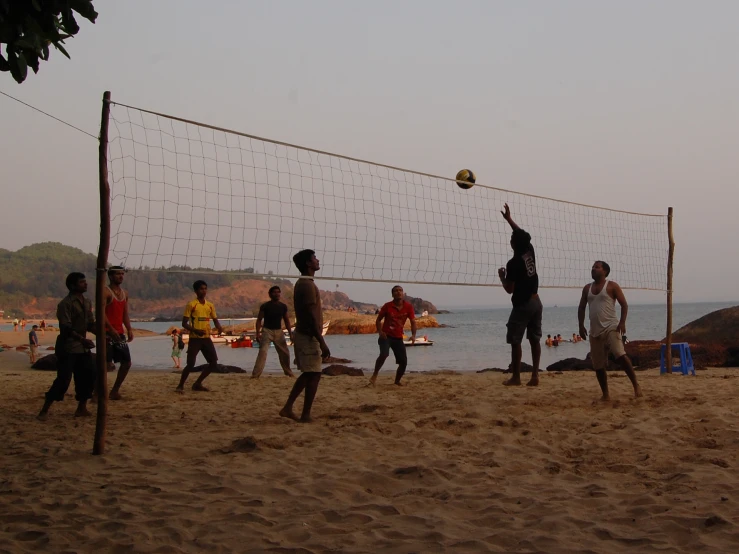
(187, 196)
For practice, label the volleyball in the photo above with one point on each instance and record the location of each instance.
(465, 178)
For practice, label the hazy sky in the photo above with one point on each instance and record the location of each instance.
(630, 105)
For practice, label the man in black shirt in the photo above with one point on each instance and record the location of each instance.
(273, 313)
(520, 280)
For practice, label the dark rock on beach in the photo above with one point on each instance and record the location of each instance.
(337, 369)
(220, 369)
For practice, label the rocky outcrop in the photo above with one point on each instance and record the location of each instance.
(343, 323)
(420, 305)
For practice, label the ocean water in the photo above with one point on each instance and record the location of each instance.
(473, 340)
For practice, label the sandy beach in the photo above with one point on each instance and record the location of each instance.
(450, 463)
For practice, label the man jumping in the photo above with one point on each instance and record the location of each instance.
(520, 280)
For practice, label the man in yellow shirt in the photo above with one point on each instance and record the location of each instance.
(196, 320)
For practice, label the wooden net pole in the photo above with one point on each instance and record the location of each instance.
(670, 259)
(101, 382)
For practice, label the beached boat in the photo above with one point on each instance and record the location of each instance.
(323, 332)
(420, 341)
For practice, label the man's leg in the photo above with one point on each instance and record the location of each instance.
(516, 325)
(535, 359)
(384, 345)
(125, 361)
(58, 388)
(282, 352)
(401, 358)
(209, 352)
(311, 388)
(298, 387)
(262, 356)
(83, 370)
(533, 333)
(599, 357)
(625, 363)
(193, 348)
(516, 354)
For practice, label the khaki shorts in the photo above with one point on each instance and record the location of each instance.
(602, 344)
(307, 353)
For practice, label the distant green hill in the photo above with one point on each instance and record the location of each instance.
(38, 272)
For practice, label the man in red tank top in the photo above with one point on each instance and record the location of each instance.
(116, 318)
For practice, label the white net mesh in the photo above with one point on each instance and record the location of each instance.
(186, 195)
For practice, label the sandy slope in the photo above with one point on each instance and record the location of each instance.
(448, 464)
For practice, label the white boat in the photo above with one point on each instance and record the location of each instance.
(420, 341)
(323, 332)
(217, 339)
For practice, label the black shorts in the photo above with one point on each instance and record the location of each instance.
(526, 317)
(397, 347)
(117, 351)
(196, 346)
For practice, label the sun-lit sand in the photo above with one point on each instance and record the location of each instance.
(450, 463)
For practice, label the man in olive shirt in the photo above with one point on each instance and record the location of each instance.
(309, 344)
(272, 314)
(73, 347)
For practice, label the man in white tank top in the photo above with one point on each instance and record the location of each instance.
(606, 329)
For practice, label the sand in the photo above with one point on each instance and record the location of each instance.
(450, 463)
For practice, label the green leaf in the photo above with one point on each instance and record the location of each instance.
(18, 67)
(85, 9)
(69, 23)
(58, 46)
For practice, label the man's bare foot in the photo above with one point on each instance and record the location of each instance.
(637, 392)
(605, 398)
(512, 382)
(306, 419)
(291, 375)
(43, 416)
(284, 412)
(179, 390)
(114, 395)
(399, 384)
(200, 388)
(82, 412)
(533, 382)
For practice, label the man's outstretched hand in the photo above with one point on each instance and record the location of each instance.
(506, 212)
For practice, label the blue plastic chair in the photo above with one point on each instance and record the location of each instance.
(686, 366)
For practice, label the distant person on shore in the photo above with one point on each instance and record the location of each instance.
(73, 348)
(23, 324)
(394, 313)
(178, 345)
(196, 320)
(116, 318)
(33, 344)
(520, 280)
(15, 324)
(273, 314)
(42, 326)
(308, 341)
(606, 329)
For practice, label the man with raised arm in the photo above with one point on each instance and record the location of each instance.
(271, 316)
(395, 313)
(116, 318)
(606, 329)
(196, 320)
(73, 348)
(308, 341)
(520, 280)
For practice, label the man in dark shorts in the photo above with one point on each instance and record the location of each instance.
(310, 346)
(73, 348)
(118, 326)
(520, 280)
(196, 320)
(395, 314)
(272, 314)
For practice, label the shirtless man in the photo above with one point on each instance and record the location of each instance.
(606, 329)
